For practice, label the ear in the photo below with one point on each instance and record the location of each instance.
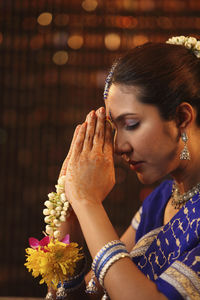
(185, 116)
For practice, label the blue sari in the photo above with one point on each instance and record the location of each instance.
(169, 255)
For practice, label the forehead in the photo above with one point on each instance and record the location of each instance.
(122, 98)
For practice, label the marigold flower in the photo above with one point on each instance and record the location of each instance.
(54, 262)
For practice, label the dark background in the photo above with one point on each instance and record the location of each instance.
(45, 93)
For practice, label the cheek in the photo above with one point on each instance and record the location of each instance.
(155, 142)
(144, 140)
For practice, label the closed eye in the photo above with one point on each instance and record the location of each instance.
(131, 126)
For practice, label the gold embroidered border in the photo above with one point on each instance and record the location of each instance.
(144, 242)
(183, 279)
(136, 219)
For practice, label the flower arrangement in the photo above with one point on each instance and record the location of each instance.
(55, 261)
(57, 208)
(188, 42)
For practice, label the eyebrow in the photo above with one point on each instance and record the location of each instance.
(120, 117)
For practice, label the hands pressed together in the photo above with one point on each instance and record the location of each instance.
(89, 166)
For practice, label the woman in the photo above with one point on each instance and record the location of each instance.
(152, 98)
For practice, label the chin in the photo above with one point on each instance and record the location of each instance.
(150, 179)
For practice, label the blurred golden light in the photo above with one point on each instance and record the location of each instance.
(89, 5)
(75, 41)
(140, 39)
(60, 57)
(1, 37)
(112, 41)
(61, 20)
(45, 18)
(130, 5)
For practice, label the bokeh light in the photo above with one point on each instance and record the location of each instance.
(112, 41)
(89, 5)
(45, 19)
(75, 41)
(130, 5)
(60, 57)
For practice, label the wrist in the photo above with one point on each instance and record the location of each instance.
(86, 204)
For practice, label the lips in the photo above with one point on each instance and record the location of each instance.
(135, 165)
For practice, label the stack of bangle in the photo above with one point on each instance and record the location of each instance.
(106, 257)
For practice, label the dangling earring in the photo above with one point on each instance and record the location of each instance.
(185, 154)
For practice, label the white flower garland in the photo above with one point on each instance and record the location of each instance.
(188, 42)
(58, 209)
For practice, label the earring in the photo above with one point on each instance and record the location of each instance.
(185, 154)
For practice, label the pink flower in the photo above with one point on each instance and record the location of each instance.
(35, 243)
(66, 239)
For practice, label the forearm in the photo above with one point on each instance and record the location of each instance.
(123, 280)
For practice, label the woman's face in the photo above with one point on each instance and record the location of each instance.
(149, 143)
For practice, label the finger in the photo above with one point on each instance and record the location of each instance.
(79, 141)
(91, 123)
(108, 142)
(98, 139)
(65, 163)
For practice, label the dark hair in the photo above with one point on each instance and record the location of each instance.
(166, 75)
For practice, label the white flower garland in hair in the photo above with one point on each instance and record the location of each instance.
(57, 210)
(188, 42)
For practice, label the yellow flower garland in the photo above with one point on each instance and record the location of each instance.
(54, 262)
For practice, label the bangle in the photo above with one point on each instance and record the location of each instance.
(108, 264)
(111, 252)
(105, 258)
(102, 252)
(91, 287)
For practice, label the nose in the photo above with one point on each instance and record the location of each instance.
(121, 144)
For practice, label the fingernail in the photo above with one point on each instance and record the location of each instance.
(92, 113)
(102, 110)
